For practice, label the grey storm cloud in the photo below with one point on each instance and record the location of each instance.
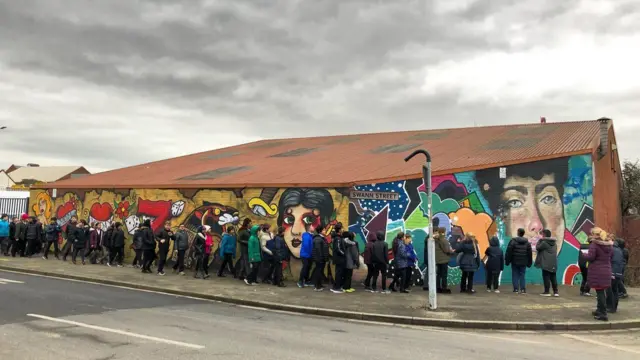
(113, 83)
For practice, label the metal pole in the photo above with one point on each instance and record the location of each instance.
(431, 249)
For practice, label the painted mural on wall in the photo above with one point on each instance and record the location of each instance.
(292, 208)
(555, 194)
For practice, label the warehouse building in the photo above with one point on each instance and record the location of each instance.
(491, 180)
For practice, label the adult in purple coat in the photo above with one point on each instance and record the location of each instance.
(599, 276)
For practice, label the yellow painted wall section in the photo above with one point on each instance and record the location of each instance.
(291, 208)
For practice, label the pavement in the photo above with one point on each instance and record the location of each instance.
(45, 318)
(505, 311)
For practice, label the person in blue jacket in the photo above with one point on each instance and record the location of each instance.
(305, 255)
(412, 259)
(228, 251)
(4, 234)
(279, 254)
(51, 235)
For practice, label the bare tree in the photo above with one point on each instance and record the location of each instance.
(630, 188)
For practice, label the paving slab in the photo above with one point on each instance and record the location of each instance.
(505, 310)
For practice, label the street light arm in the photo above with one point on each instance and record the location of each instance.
(419, 151)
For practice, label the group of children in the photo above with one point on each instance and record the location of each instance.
(602, 259)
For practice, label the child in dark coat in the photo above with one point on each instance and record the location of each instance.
(494, 264)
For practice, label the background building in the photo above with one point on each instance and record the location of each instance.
(486, 180)
(35, 174)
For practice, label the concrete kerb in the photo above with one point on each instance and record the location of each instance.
(381, 318)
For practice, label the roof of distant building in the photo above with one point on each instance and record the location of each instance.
(43, 173)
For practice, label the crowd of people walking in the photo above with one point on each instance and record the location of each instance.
(602, 259)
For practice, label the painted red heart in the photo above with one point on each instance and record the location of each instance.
(101, 212)
(65, 209)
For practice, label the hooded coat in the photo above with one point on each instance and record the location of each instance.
(380, 251)
(519, 252)
(401, 256)
(320, 250)
(368, 248)
(199, 243)
(117, 237)
(338, 248)
(255, 251)
(352, 255)
(81, 237)
(52, 232)
(228, 245)
(278, 247)
(4, 228)
(495, 258)
(599, 258)
(181, 242)
(148, 238)
(470, 259)
(547, 258)
(138, 239)
(306, 246)
(443, 249)
(265, 237)
(617, 261)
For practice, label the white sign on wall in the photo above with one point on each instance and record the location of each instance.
(503, 173)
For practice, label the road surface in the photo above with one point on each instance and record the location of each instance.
(50, 319)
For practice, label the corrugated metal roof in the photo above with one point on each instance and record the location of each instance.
(42, 173)
(337, 161)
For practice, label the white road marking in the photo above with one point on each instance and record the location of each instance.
(119, 332)
(9, 281)
(585, 338)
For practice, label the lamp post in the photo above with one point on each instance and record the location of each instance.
(431, 249)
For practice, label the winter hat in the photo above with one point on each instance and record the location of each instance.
(24, 217)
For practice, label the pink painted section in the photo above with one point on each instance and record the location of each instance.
(435, 181)
(569, 238)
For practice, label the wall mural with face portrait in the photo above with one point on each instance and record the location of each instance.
(292, 208)
(555, 194)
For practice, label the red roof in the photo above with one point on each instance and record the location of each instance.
(342, 161)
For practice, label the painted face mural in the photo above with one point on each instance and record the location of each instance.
(301, 207)
(529, 197)
(555, 195)
(42, 208)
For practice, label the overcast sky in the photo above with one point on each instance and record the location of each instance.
(112, 83)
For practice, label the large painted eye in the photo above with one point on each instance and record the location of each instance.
(548, 200)
(514, 204)
(289, 219)
(309, 219)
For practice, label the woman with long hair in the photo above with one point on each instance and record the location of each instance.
(599, 275)
(469, 262)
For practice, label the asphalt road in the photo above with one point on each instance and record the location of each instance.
(49, 319)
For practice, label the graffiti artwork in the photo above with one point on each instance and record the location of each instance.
(292, 208)
(555, 194)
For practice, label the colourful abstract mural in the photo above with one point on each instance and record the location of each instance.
(291, 208)
(555, 194)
